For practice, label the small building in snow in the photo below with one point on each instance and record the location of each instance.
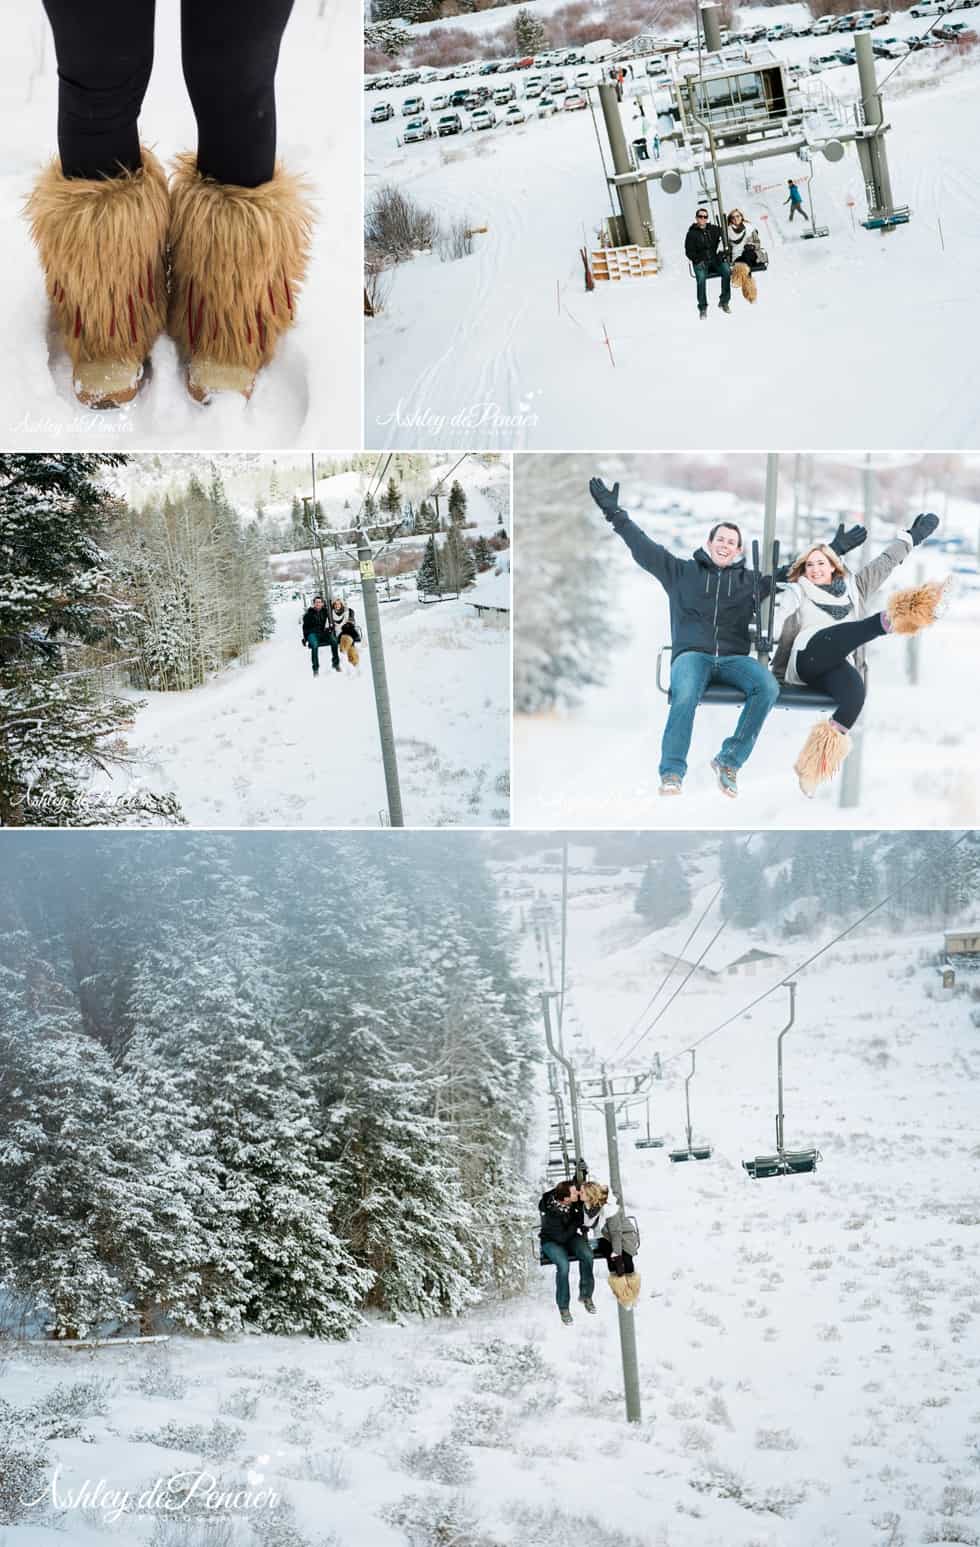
(751, 961)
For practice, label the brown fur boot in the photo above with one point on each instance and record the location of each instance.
(626, 1288)
(238, 258)
(102, 241)
(821, 756)
(916, 608)
(744, 280)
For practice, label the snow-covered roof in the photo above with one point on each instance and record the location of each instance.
(492, 591)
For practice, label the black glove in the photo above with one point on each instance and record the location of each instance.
(844, 541)
(606, 499)
(923, 527)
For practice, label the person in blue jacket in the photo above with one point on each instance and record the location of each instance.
(795, 202)
(712, 603)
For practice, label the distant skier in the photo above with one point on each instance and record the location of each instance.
(616, 1240)
(822, 643)
(704, 247)
(347, 631)
(795, 202)
(317, 631)
(712, 603)
(562, 1225)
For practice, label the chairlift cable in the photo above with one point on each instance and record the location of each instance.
(802, 966)
(680, 987)
(882, 84)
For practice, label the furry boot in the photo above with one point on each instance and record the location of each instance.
(102, 242)
(238, 258)
(744, 280)
(626, 1288)
(822, 754)
(916, 608)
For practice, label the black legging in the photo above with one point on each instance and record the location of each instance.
(603, 1248)
(823, 664)
(230, 50)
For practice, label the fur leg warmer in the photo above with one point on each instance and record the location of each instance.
(821, 756)
(102, 243)
(908, 611)
(626, 1288)
(238, 258)
(744, 280)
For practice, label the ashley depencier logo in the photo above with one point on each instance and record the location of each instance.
(192, 1492)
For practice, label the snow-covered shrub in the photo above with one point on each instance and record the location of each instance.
(23, 1470)
(507, 1368)
(776, 1439)
(78, 1399)
(168, 1532)
(301, 1391)
(330, 1468)
(239, 1404)
(478, 1421)
(158, 1379)
(550, 1527)
(957, 1521)
(725, 1483)
(695, 1437)
(717, 1412)
(443, 1462)
(455, 239)
(396, 226)
(277, 1528)
(433, 1520)
(216, 1441)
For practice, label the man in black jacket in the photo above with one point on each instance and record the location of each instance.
(712, 602)
(703, 246)
(318, 630)
(563, 1237)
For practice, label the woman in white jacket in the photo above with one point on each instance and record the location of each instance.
(744, 245)
(822, 643)
(615, 1240)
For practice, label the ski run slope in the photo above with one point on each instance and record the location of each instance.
(311, 394)
(597, 765)
(858, 340)
(807, 1346)
(266, 744)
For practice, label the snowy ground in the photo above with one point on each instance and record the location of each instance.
(855, 340)
(807, 1345)
(596, 765)
(311, 394)
(268, 745)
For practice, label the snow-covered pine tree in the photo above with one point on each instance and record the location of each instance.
(427, 520)
(391, 500)
(483, 555)
(529, 33)
(457, 504)
(61, 621)
(428, 581)
(664, 897)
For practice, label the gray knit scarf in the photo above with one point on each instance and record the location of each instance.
(836, 587)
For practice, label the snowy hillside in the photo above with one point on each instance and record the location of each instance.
(597, 764)
(265, 744)
(807, 1354)
(312, 390)
(509, 336)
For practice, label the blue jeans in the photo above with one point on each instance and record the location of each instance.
(582, 1251)
(315, 641)
(689, 676)
(705, 271)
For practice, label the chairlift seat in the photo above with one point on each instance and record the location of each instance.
(789, 1163)
(696, 1152)
(648, 1144)
(790, 696)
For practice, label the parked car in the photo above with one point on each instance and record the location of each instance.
(890, 48)
(381, 113)
(514, 115)
(504, 94)
(483, 118)
(490, 68)
(656, 64)
(411, 78)
(412, 107)
(439, 104)
(546, 107)
(778, 32)
(824, 25)
(417, 129)
(459, 96)
(574, 101)
(449, 123)
(426, 76)
(533, 88)
(847, 55)
(584, 78)
(558, 83)
(927, 8)
(951, 32)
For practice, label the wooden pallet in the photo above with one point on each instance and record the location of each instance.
(630, 262)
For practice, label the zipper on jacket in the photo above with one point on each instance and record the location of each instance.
(717, 598)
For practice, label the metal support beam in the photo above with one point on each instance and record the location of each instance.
(372, 625)
(872, 153)
(627, 1322)
(569, 1068)
(634, 201)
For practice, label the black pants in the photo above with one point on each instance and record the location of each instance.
(230, 52)
(603, 1248)
(823, 664)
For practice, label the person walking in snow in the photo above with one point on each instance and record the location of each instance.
(712, 603)
(706, 251)
(616, 1240)
(822, 643)
(562, 1238)
(346, 629)
(795, 202)
(317, 631)
(215, 256)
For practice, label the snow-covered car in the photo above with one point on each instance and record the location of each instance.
(483, 118)
(504, 94)
(449, 123)
(546, 107)
(779, 31)
(951, 32)
(381, 113)
(656, 64)
(574, 102)
(412, 107)
(417, 129)
(824, 25)
(890, 48)
(428, 75)
(927, 8)
(533, 88)
(558, 84)
(459, 96)
(584, 78)
(490, 68)
(439, 104)
(514, 115)
(847, 55)
(410, 78)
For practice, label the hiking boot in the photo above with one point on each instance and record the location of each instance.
(671, 784)
(727, 778)
(589, 1303)
(566, 1317)
(723, 306)
(702, 312)
(336, 665)
(316, 671)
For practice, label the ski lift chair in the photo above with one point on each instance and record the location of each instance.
(692, 1151)
(650, 1142)
(790, 696)
(784, 1162)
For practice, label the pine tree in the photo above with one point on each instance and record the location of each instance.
(427, 520)
(529, 34)
(484, 555)
(391, 500)
(60, 623)
(664, 895)
(428, 582)
(457, 504)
